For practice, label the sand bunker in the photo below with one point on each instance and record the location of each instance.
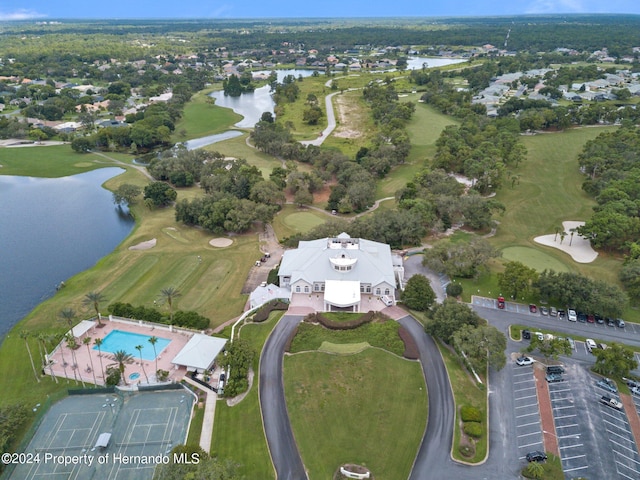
(578, 247)
(220, 242)
(144, 245)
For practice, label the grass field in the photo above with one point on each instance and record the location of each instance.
(51, 161)
(201, 118)
(291, 220)
(533, 258)
(238, 434)
(340, 414)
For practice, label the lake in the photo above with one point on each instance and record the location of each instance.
(253, 104)
(50, 230)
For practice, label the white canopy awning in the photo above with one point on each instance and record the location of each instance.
(103, 440)
(199, 352)
(83, 327)
(342, 293)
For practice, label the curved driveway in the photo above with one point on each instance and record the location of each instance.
(277, 427)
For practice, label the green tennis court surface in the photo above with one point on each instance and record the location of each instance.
(143, 429)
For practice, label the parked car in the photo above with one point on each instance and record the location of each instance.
(590, 344)
(607, 384)
(571, 315)
(572, 343)
(501, 303)
(544, 311)
(591, 318)
(540, 336)
(533, 308)
(554, 377)
(556, 369)
(553, 311)
(599, 320)
(536, 456)
(602, 346)
(611, 402)
(526, 335)
(619, 323)
(635, 390)
(610, 322)
(631, 383)
(561, 314)
(524, 361)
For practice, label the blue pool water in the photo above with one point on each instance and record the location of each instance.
(134, 376)
(127, 341)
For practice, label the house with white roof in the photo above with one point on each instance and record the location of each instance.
(343, 271)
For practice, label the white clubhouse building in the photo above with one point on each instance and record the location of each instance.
(343, 270)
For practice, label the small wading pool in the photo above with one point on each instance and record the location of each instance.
(127, 341)
(134, 376)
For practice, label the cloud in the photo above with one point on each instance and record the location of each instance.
(20, 14)
(556, 6)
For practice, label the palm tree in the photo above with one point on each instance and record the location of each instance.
(86, 341)
(43, 341)
(64, 362)
(98, 342)
(168, 295)
(25, 336)
(72, 345)
(122, 357)
(153, 341)
(93, 299)
(139, 348)
(68, 315)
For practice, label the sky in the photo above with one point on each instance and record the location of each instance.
(209, 9)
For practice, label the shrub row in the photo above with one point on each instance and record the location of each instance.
(348, 325)
(181, 318)
(470, 414)
(410, 346)
(473, 429)
(263, 312)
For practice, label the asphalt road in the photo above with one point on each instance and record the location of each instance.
(282, 445)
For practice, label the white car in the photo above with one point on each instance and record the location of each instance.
(591, 344)
(572, 316)
(524, 361)
(635, 390)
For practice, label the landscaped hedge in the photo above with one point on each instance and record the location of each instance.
(181, 318)
(470, 414)
(473, 429)
(348, 325)
(410, 347)
(263, 312)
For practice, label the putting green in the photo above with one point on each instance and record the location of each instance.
(302, 221)
(534, 258)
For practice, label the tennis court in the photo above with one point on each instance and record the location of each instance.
(139, 430)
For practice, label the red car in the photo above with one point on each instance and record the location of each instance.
(501, 303)
(533, 308)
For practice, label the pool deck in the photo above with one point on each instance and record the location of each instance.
(85, 358)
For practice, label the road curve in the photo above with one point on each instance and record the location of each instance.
(434, 456)
(275, 417)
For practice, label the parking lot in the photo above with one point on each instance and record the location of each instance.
(527, 414)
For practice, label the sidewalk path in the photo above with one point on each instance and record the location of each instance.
(209, 415)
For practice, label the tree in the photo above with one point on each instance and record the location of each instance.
(68, 315)
(126, 193)
(312, 115)
(86, 341)
(516, 279)
(484, 346)
(122, 358)
(616, 360)
(72, 345)
(550, 347)
(448, 317)
(98, 343)
(303, 197)
(93, 299)
(462, 259)
(418, 294)
(139, 348)
(160, 193)
(153, 341)
(168, 295)
(24, 334)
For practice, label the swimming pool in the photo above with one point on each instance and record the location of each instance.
(127, 341)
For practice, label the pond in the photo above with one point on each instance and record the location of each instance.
(52, 229)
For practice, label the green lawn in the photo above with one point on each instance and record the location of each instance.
(238, 434)
(51, 161)
(341, 412)
(201, 118)
(291, 220)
